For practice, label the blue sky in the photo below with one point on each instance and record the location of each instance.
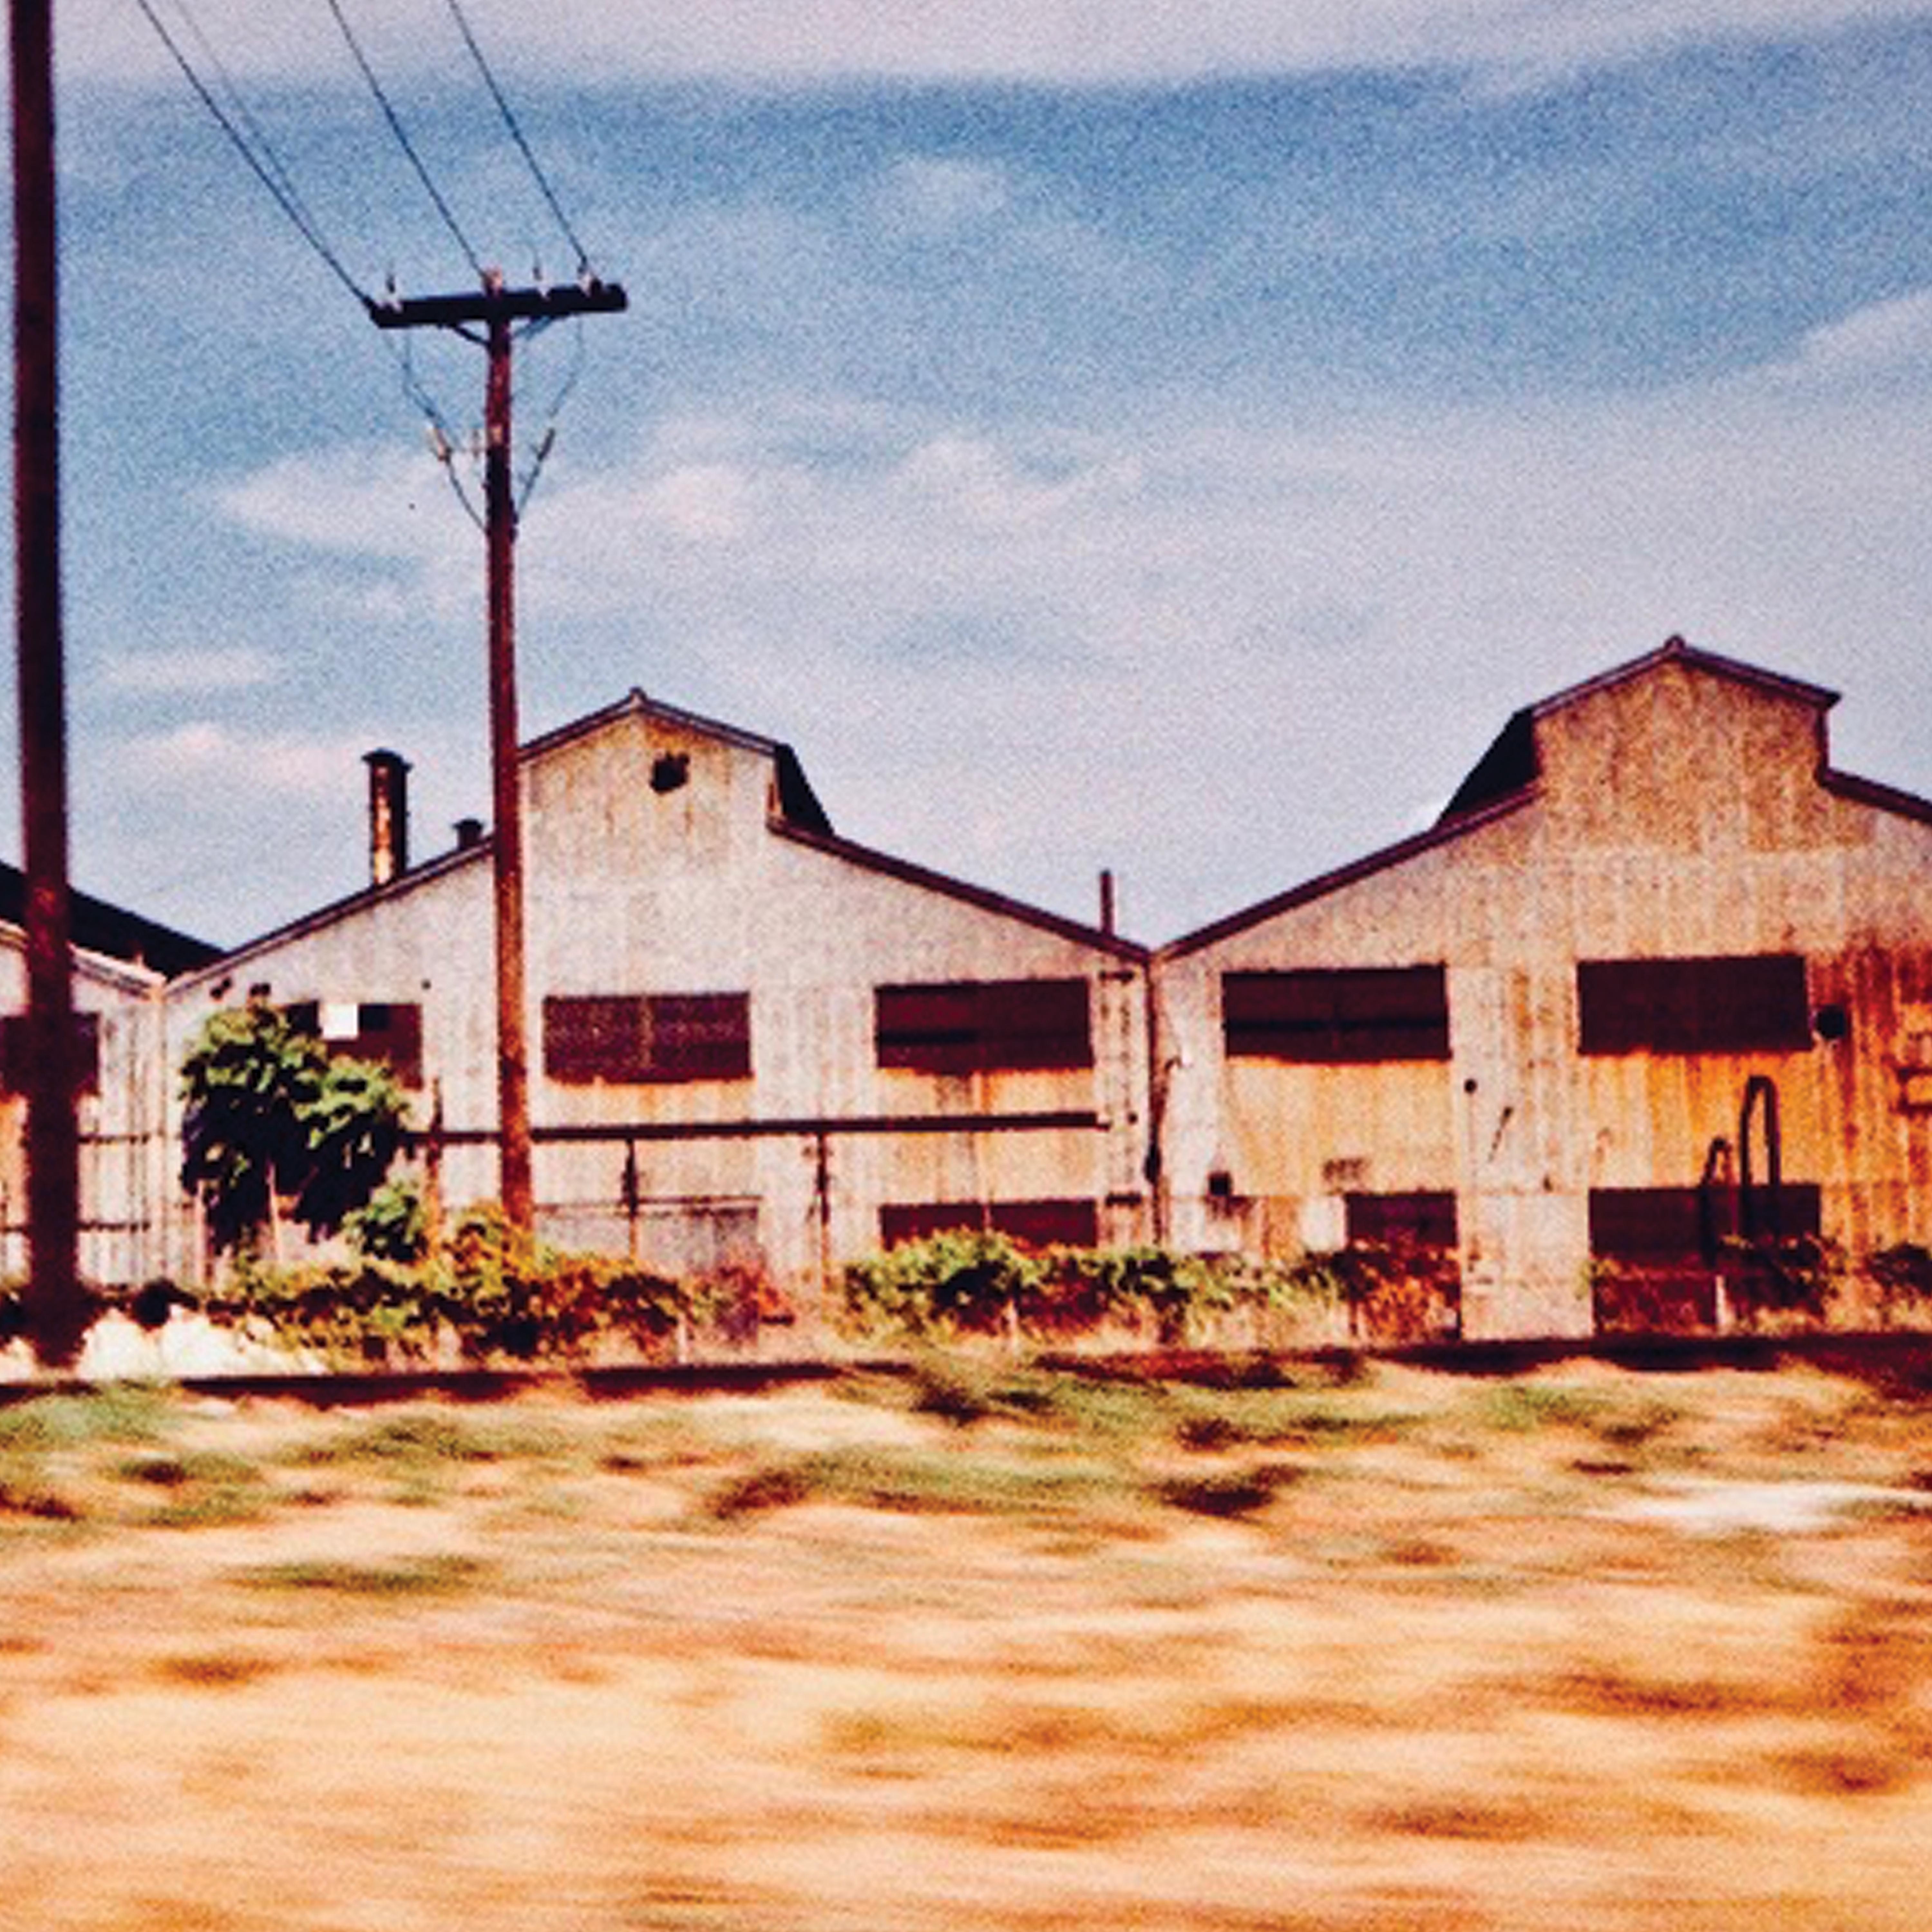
(1171, 440)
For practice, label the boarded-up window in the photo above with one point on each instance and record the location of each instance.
(388, 1032)
(970, 1026)
(1675, 1228)
(638, 1039)
(15, 1062)
(1753, 1003)
(1352, 1016)
(1036, 1224)
(1419, 1220)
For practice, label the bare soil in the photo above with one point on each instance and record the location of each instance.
(983, 1648)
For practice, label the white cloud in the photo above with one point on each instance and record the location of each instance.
(971, 479)
(1069, 40)
(237, 667)
(278, 764)
(1225, 657)
(373, 500)
(1885, 337)
(935, 196)
(700, 502)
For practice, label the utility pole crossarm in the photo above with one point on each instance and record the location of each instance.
(500, 304)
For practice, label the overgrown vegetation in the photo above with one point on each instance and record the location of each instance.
(275, 1127)
(968, 1283)
(486, 1294)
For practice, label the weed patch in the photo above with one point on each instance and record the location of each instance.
(126, 1413)
(1228, 1493)
(411, 1576)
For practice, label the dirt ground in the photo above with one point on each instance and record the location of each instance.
(976, 1648)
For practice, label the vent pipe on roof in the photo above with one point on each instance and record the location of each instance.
(1107, 903)
(388, 816)
(469, 834)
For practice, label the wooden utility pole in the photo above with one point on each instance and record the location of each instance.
(496, 310)
(56, 1317)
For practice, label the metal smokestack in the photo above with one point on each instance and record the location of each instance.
(388, 816)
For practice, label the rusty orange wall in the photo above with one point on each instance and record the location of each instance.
(1679, 814)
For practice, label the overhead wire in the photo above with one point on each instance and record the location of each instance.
(403, 140)
(253, 146)
(516, 133)
(251, 140)
(546, 441)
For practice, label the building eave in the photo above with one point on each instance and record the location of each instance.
(333, 913)
(906, 873)
(111, 931)
(1879, 797)
(1386, 859)
(1675, 651)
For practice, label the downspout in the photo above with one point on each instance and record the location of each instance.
(1154, 1167)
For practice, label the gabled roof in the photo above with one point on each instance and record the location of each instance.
(799, 816)
(798, 804)
(109, 930)
(1510, 764)
(1504, 779)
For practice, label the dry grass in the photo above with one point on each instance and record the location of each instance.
(985, 1648)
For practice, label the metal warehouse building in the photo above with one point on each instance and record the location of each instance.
(1653, 995)
(1658, 981)
(755, 1043)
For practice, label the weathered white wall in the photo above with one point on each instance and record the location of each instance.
(694, 889)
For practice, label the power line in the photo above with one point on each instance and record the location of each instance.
(262, 161)
(251, 140)
(547, 440)
(516, 135)
(403, 140)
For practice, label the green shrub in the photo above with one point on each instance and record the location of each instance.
(393, 1225)
(493, 1294)
(964, 1283)
(364, 1312)
(1150, 1289)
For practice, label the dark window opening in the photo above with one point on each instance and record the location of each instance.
(1033, 1224)
(388, 1032)
(1754, 1003)
(1660, 1251)
(16, 1060)
(669, 771)
(1425, 1219)
(984, 1026)
(1352, 1016)
(633, 1038)
(1680, 1227)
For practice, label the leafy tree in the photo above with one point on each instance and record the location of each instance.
(272, 1119)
